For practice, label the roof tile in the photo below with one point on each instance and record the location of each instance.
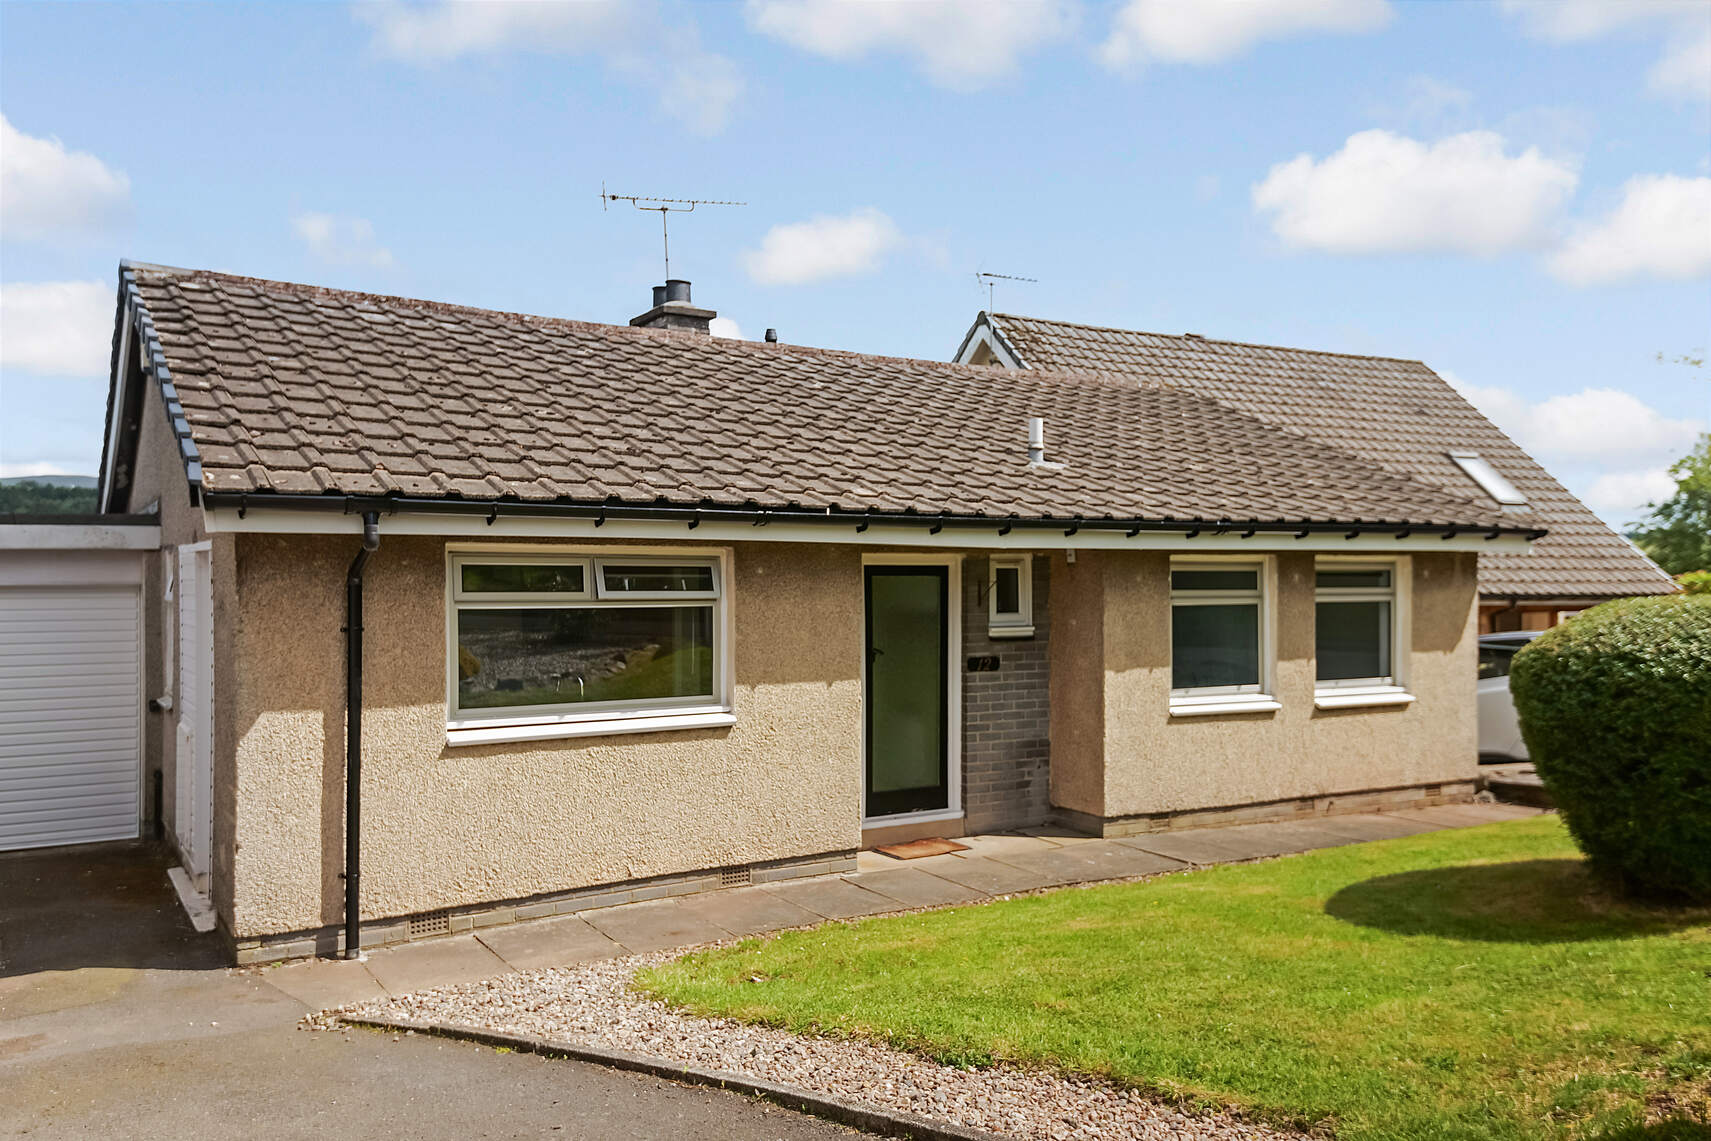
(483, 404)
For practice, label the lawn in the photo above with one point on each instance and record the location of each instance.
(1462, 984)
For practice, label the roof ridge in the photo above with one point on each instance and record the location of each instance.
(672, 336)
(1209, 340)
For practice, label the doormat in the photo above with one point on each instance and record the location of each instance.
(915, 849)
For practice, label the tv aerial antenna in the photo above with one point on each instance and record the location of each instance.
(990, 280)
(664, 207)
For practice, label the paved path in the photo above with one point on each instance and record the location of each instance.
(994, 865)
(119, 1020)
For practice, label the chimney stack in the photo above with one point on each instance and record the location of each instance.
(672, 310)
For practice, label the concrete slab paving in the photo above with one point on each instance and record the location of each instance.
(748, 910)
(867, 860)
(1002, 843)
(549, 943)
(654, 925)
(1189, 847)
(1056, 835)
(1467, 815)
(993, 876)
(1097, 860)
(320, 983)
(1278, 838)
(833, 898)
(913, 887)
(1362, 827)
(434, 963)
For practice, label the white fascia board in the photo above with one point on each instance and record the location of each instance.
(878, 534)
(78, 537)
(985, 333)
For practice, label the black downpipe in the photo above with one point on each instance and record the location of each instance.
(353, 734)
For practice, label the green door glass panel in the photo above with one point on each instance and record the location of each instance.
(907, 729)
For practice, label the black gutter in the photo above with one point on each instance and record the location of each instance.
(353, 734)
(861, 520)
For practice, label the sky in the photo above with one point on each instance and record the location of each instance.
(1516, 192)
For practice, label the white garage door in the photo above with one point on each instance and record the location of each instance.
(70, 715)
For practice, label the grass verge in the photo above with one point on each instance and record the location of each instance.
(1466, 984)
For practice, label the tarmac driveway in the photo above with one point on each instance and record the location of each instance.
(118, 1020)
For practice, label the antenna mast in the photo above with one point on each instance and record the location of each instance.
(990, 279)
(664, 207)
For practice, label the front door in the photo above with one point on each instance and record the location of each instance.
(907, 700)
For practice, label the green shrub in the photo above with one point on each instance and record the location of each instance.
(1615, 706)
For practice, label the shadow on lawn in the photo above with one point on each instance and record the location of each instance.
(1675, 1129)
(1526, 901)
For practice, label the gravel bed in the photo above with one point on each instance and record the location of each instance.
(593, 1005)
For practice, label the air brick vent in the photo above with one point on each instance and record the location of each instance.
(735, 877)
(430, 923)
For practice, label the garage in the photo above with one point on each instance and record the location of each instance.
(71, 683)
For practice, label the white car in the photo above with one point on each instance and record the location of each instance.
(1499, 727)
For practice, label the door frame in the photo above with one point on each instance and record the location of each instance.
(953, 689)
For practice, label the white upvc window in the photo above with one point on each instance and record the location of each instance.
(572, 644)
(1220, 636)
(1010, 597)
(1360, 632)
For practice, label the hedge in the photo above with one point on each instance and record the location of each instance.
(1615, 707)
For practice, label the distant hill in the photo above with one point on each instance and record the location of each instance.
(47, 495)
(51, 480)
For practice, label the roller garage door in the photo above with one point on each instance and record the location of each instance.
(70, 715)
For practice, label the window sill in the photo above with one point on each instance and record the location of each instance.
(997, 632)
(1359, 698)
(657, 723)
(1230, 703)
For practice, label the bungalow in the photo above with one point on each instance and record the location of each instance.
(469, 616)
(1395, 413)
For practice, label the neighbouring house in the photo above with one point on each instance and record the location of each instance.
(508, 616)
(1398, 414)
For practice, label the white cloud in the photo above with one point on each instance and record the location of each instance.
(1385, 193)
(1661, 228)
(1592, 424)
(725, 329)
(960, 44)
(1684, 69)
(1620, 497)
(1195, 31)
(1610, 447)
(633, 39)
(31, 467)
(824, 246)
(1604, 424)
(1566, 20)
(339, 240)
(57, 328)
(50, 192)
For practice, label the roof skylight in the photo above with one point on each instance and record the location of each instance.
(1479, 469)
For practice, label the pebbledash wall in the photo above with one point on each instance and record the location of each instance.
(449, 827)
(1073, 724)
(1122, 764)
(446, 827)
(1006, 732)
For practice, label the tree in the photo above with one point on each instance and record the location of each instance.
(1677, 532)
(27, 497)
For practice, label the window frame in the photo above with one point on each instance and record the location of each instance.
(1020, 624)
(1496, 486)
(1390, 689)
(1256, 697)
(529, 722)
